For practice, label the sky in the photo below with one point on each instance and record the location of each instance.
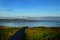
(32, 8)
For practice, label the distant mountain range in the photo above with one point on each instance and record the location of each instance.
(28, 19)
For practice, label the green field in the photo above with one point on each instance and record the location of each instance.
(37, 33)
(43, 34)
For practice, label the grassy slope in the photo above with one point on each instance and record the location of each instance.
(32, 33)
(43, 33)
(5, 33)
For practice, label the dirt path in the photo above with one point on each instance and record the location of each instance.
(19, 35)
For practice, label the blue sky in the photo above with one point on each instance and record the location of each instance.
(32, 8)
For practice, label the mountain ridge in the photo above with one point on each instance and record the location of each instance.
(29, 19)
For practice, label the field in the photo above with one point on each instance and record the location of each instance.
(43, 33)
(6, 32)
(37, 33)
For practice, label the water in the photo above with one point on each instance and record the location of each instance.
(30, 24)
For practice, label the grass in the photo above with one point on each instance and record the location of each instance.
(37, 33)
(5, 33)
(42, 34)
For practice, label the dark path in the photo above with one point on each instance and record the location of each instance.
(19, 35)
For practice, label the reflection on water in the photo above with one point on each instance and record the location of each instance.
(30, 24)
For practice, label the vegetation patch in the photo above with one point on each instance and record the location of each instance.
(42, 33)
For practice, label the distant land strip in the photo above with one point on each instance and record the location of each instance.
(17, 20)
